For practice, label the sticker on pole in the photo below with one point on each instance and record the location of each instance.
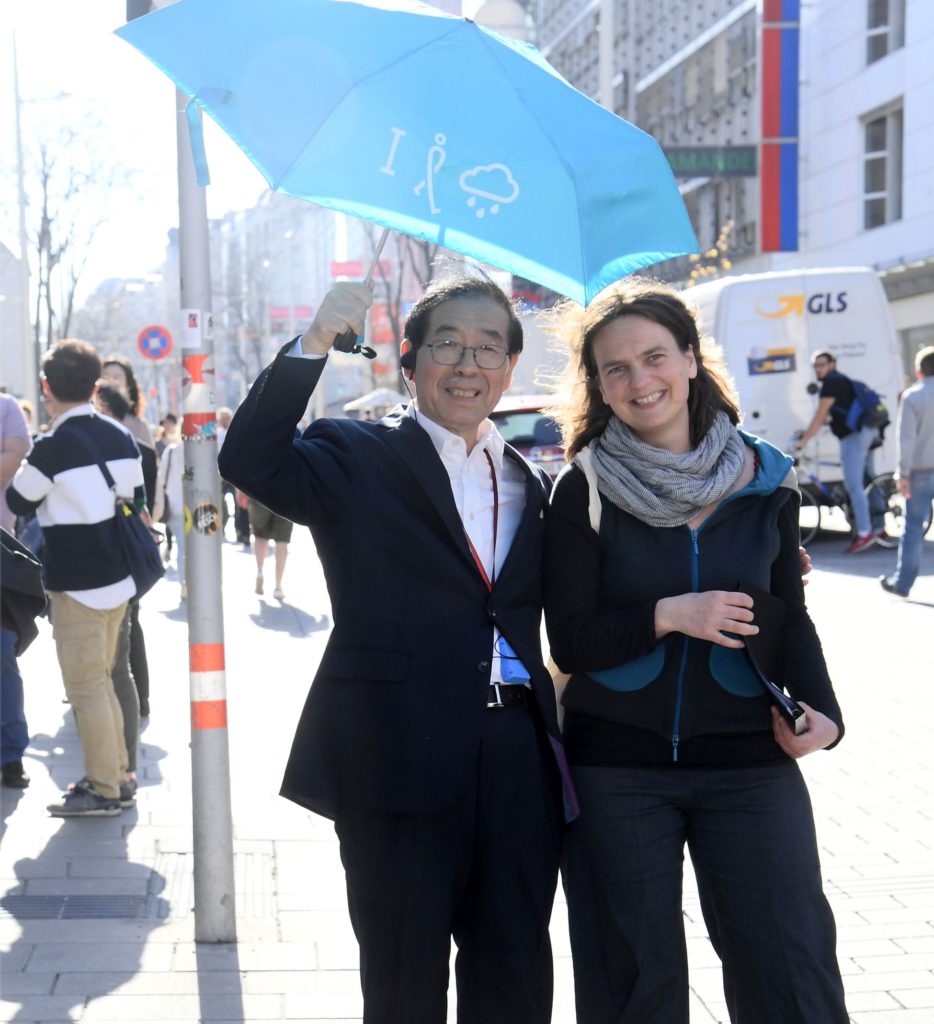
(197, 328)
(154, 342)
(206, 518)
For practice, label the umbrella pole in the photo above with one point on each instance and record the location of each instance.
(347, 342)
(376, 255)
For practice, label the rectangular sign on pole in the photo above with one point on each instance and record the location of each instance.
(713, 161)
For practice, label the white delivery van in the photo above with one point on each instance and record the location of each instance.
(770, 324)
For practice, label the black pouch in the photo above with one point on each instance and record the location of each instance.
(766, 654)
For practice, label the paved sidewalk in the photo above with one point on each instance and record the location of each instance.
(96, 917)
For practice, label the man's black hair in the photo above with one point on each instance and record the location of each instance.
(461, 286)
(72, 369)
(114, 398)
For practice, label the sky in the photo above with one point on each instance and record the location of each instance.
(68, 46)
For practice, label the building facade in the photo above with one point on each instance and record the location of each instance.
(16, 361)
(696, 74)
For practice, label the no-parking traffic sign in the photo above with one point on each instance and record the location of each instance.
(154, 342)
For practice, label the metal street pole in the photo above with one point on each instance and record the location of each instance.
(210, 758)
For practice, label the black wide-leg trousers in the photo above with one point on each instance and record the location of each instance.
(750, 833)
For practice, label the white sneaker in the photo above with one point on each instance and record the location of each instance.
(258, 589)
(184, 592)
(279, 594)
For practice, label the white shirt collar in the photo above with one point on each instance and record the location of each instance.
(488, 437)
(86, 409)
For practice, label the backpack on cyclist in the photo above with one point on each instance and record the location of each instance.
(867, 408)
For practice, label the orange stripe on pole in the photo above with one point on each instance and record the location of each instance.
(206, 657)
(209, 714)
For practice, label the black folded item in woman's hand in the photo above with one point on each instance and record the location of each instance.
(766, 653)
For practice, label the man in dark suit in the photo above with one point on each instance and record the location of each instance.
(430, 732)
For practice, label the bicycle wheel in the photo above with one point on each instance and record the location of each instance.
(887, 509)
(808, 517)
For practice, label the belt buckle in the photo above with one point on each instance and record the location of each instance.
(498, 703)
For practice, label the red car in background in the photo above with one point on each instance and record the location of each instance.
(519, 418)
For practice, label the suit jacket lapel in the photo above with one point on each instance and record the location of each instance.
(534, 502)
(416, 452)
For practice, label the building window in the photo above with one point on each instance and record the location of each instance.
(885, 28)
(882, 168)
(912, 340)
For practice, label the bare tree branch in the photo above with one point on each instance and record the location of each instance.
(70, 192)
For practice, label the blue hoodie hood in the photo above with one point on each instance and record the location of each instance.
(775, 467)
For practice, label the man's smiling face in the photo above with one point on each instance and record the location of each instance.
(459, 398)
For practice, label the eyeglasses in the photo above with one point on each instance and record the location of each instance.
(447, 352)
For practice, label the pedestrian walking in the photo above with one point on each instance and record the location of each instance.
(669, 734)
(22, 598)
(14, 731)
(131, 670)
(266, 526)
(118, 370)
(87, 573)
(167, 433)
(430, 733)
(915, 471)
(169, 506)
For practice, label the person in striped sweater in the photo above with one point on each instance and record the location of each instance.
(87, 574)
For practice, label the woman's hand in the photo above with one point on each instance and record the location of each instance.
(806, 565)
(821, 732)
(706, 616)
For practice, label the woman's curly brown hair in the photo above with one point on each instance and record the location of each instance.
(579, 408)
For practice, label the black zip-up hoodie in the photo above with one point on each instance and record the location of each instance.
(633, 699)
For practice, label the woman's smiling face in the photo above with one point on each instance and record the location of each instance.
(644, 377)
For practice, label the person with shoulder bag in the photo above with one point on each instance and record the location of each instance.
(88, 571)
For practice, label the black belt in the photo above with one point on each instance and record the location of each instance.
(502, 695)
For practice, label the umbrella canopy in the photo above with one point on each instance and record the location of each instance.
(395, 112)
(381, 398)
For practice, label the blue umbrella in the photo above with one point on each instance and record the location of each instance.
(428, 124)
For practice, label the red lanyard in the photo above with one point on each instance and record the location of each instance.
(486, 579)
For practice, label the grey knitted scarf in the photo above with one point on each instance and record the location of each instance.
(662, 488)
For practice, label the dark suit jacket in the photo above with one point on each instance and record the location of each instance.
(393, 719)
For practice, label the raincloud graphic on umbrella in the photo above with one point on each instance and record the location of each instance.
(491, 181)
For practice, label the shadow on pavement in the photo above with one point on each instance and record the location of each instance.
(219, 988)
(62, 758)
(9, 800)
(287, 618)
(79, 894)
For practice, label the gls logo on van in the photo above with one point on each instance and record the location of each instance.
(770, 360)
(794, 305)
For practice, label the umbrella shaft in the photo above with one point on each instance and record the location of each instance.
(376, 255)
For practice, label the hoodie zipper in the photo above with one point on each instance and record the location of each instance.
(679, 691)
(695, 582)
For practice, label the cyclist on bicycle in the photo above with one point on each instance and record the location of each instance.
(836, 396)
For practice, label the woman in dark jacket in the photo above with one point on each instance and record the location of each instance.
(670, 736)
